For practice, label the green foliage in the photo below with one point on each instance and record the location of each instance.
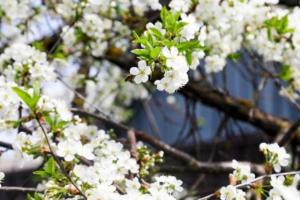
(234, 56)
(38, 45)
(288, 180)
(286, 73)
(59, 53)
(153, 40)
(36, 196)
(55, 123)
(30, 100)
(147, 160)
(188, 45)
(2, 13)
(279, 25)
(49, 170)
(170, 21)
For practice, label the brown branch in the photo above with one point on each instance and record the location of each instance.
(132, 142)
(290, 2)
(6, 145)
(203, 92)
(249, 183)
(284, 138)
(214, 167)
(236, 108)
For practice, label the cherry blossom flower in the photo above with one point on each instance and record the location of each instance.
(275, 155)
(141, 72)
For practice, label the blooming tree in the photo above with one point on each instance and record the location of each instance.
(65, 64)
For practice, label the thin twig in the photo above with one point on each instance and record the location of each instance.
(58, 161)
(284, 138)
(252, 181)
(18, 189)
(132, 142)
(176, 153)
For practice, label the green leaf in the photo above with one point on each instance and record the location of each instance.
(141, 52)
(189, 45)
(49, 170)
(38, 45)
(156, 33)
(280, 25)
(26, 98)
(50, 166)
(136, 37)
(2, 13)
(36, 96)
(30, 101)
(36, 196)
(189, 57)
(164, 14)
(234, 56)
(155, 52)
(286, 73)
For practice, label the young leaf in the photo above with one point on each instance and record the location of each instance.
(234, 56)
(36, 196)
(141, 52)
(189, 45)
(155, 52)
(189, 57)
(26, 98)
(286, 73)
(30, 101)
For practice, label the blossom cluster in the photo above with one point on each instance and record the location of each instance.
(70, 140)
(9, 104)
(19, 18)
(170, 48)
(167, 50)
(107, 178)
(282, 187)
(70, 9)
(98, 25)
(223, 29)
(241, 173)
(275, 155)
(92, 35)
(232, 193)
(12, 14)
(108, 91)
(24, 64)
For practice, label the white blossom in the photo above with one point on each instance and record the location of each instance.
(174, 59)
(275, 155)
(2, 175)
(242, 172)
(282, 191)
(214, 63)
(141, 72)
(231, 193)
(180, 5)
(19, 61)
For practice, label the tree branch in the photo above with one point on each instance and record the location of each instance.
(18, 189)
(203, 92)
(283, 139)
(290, 2)
(212, 167)
(242, 185)
(236, 108)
